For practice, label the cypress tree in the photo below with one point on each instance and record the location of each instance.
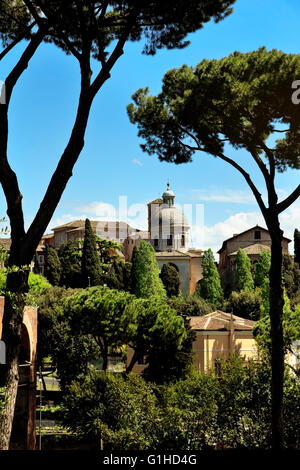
(70, 258)
(210, 285)
(297, 246)
(146, 273)
(90, 261)
(170, 278)
(53, 266)
(262, 268)
(244, 280)
(133, 270)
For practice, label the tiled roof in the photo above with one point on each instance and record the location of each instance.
(156, 201)
(177, 253)
(219, 320)
(97, 225)
(255, 249)
(256, 227)
(162, 254)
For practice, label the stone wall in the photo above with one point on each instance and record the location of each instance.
(24, 424)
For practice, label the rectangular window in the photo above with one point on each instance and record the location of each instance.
(182, 240)
(170, 240)
(257, 235)
(41, 259)
(155, 242)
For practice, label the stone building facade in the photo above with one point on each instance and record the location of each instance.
(253, 241)
(168, 233)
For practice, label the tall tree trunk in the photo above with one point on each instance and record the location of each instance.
(132, 362)
(276, 311)
(16, 286)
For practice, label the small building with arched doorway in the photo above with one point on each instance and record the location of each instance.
(24, 425)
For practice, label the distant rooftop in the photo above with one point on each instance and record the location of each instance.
(219, 320)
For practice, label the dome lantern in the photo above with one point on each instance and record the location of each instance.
(168, 196)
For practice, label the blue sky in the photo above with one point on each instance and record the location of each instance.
(112, 164)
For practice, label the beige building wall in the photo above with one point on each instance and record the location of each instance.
(196, 273)
(212, 345)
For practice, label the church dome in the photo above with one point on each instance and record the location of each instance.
(173, 217)
(168, 192)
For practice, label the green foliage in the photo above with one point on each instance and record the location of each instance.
(108, 251)
(70, 353)
(119, 276)
(244, 396)
(262, 268)
(53, 266)
(133, 279)
(4, 255)
(243, 109)
(199, 412)
(146, 273)
(161, 25)
(90, 263)
(37, 283)
(3, 275)
(190, 305)
(290, 325)
(158, 328)
(3, 400)
(291, 278)
(244, 280)
(170, 278)
(297, 246)
(210, 285)
(70, 258)
(108, 315)
(244, 304)
(122, 412)
(171, 361)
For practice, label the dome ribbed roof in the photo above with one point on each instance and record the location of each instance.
(171, 216)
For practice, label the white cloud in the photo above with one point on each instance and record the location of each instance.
(137, 162)
(64, 219)
(226, 195)
(202, 236)
(213, 236)
(100, 210)
(205, 237)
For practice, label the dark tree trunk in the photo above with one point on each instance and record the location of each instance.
(132, 362)
(276, 311)
(17, 286)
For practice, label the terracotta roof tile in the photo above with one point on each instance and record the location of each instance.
(219, 320)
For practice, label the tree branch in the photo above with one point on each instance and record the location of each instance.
(64, 169)
(22, 64)
(246, 175)
(288, 201)
(16, 41)
(104, 73)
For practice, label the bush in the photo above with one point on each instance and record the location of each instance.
(201, 412)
